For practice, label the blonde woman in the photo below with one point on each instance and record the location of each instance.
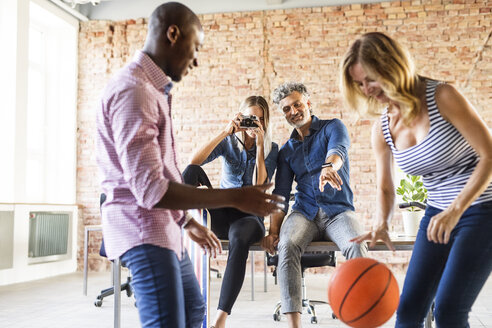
(431, 130)
(248, 157)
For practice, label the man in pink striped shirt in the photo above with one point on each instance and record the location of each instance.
(143, 213)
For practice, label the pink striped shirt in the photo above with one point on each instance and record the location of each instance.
(137, 159)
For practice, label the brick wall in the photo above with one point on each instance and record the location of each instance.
(249, 53)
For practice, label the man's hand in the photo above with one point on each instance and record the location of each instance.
(254, 200)
(269, 243)
(329, 175)
(381, 233)
(204, 237)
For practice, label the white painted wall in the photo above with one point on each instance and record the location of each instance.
(22, 270)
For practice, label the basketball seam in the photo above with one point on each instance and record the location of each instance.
(375, 303)
(352, 286)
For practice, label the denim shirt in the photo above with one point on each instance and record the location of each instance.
(302, 160)
(237, 166)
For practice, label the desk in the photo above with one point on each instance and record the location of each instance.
(88, 229)
(400, 243)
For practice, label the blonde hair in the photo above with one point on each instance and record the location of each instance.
(263, 104)
(387, 62)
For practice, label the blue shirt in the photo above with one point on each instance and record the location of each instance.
(302, 160)
(237, 165)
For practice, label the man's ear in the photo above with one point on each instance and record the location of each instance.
(173, 33)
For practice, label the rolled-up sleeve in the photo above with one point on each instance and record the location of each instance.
(339, 141)
(134, 118)
(219, 150)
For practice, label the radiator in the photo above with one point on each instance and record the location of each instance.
(48, 233)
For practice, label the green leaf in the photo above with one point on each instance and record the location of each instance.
(407, 185)
(420, 197)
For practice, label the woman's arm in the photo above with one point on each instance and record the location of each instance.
(261, 172)
(455, 109)
(385, 194)
(206, 149)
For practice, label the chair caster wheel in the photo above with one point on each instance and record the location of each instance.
(333, 316)
(314, 320)
(219, 275)
(276, 317)
(98, 303)
(129, 292)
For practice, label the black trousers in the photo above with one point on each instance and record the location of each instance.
(241, 229)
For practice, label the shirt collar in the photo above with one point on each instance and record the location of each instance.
(155, 74)
(315, 126)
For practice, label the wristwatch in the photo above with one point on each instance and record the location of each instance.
(329, 164)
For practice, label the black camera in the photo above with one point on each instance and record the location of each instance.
(248, 122)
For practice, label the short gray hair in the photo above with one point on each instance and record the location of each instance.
(286, 89)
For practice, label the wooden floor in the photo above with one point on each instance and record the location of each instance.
(58, 302)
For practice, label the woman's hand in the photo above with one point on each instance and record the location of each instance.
(381, 233)
(233, 125)
(259, 134)
(441, 225)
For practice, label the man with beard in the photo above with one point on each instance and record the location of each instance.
(316, 157)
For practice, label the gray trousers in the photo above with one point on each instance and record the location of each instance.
(295, 235)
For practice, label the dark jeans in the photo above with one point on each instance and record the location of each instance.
(242, 230)
(453, 273)
(166, 289)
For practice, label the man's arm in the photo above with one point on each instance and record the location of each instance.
(283, 186)
(135, 133)
(329, 174)
(251, 199)
(336, 154)
(269, 242)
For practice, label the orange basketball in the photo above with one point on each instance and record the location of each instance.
(363, 293)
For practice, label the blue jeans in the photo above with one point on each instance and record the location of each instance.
(166, 289)
(453, 273)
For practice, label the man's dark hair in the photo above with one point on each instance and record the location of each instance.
(171, 13)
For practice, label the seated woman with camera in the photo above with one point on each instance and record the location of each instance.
(249, 157)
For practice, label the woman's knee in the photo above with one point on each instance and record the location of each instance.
(195, 175)
(245, 232)
(449, 314)
(407, 315)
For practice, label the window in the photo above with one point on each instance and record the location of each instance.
(7, 94)
(40, 136)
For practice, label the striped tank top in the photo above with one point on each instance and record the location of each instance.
(444, 159)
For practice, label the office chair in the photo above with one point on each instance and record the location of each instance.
(110, 291)
(308, 260)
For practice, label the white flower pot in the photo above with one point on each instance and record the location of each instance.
(411, 221)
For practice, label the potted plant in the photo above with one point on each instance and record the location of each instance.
(412, 192)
